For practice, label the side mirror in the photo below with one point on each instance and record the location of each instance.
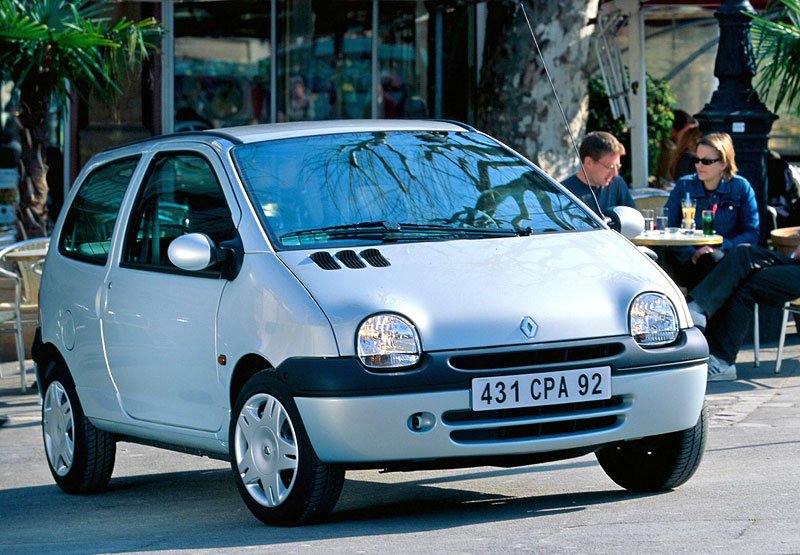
(194, 252)
(626, 220)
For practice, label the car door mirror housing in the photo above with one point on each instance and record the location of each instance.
(626, 220)
(194, 252)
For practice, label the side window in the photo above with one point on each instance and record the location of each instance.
(86, 234)
(180, 195)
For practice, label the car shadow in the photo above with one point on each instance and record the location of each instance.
(202, 510)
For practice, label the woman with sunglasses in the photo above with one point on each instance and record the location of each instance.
(714, 186)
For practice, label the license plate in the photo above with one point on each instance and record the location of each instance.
(549, 388)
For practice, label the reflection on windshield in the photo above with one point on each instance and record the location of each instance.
(429, 181)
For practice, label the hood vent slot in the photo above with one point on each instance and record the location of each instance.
(374, 258)
(325, 261)
(350, 259)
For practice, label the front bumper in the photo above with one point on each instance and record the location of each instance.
(355, 417)
(376, 429)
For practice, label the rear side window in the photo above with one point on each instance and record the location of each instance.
(87, 230)
(180, 195)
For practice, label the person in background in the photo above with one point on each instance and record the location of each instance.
(681, 123)
(722, 304)
(683, 156)
(716, 187)
(599, 184)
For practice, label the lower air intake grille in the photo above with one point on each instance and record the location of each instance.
(515, 424)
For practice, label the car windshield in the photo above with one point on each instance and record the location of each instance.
(381, 187)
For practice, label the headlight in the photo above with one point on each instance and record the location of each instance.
(387, 341)
(653, 320)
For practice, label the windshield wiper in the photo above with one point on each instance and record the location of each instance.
(384, 229)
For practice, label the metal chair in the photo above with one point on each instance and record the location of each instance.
(772, 212)
(792, 307)
(23, 272)
(11, 316)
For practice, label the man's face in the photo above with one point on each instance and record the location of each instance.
(602, 171)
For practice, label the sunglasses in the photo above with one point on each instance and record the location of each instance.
(704, 161)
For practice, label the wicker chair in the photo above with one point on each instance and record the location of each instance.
(648, 198)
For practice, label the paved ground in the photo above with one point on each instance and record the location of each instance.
(745, 498)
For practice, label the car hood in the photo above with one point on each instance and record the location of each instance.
(476, 293)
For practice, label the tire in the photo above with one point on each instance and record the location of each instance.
(656, 463)
(278, 474)
(80, 457)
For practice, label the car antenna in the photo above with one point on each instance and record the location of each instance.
(560, 108)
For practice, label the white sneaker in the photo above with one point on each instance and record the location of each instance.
(719, 370)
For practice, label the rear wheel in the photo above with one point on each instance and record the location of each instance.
(656, 463)
(275, 467)
(80, 457)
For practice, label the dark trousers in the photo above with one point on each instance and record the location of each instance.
(689, 274)
(745, 276)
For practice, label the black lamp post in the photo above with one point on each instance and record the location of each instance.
(734, 107)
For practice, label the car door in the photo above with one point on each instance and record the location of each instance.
(159, 322)
(83, 245)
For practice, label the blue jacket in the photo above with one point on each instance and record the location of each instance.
(736, 217)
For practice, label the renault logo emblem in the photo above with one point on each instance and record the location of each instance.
(529, 327)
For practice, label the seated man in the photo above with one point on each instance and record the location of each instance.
(599, 184)
(725, 298)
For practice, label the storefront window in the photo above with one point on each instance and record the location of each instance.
(324, 60)
(222, 63)
(403, 60)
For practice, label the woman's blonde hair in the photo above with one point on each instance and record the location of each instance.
(722, 143)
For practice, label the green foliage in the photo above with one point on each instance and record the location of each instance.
(659, 118)
(55, 44)
(776, 38)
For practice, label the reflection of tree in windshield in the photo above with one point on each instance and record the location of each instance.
(462, 179)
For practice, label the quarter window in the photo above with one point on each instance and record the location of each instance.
(87, 230)
(180, 195)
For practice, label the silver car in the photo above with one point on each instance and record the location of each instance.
(300, 299)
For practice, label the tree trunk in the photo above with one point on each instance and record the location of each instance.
(33, 179)
(515, 97)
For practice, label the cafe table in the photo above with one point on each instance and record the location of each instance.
(676, 238)
(659, 240)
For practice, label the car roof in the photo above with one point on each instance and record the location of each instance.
(272, 131)
(266, 132)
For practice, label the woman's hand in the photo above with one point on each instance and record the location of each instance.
(705, 249)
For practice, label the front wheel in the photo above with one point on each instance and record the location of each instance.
(275, 467)
(656, 463)
(81, 457)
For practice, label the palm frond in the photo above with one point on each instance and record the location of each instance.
(776, 36)
(56, 42)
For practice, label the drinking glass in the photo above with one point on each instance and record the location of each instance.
(661, 220)
(708, 222)
(688, 208)
(649, 219)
